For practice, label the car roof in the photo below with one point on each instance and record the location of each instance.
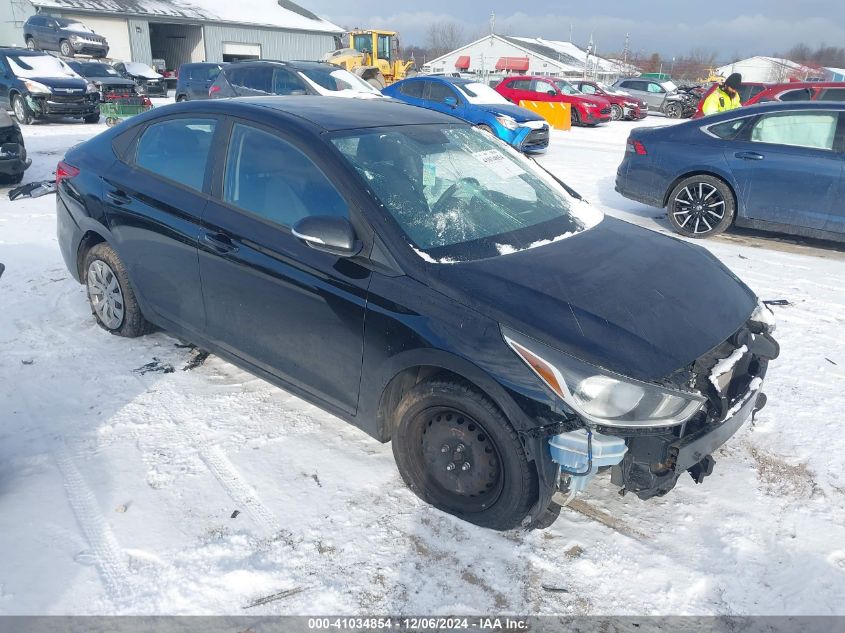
(327, 113)
(22, 52)
(805, 84)
(296, 64)
(773, 106)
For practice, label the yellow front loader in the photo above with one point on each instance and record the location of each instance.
(373, 56)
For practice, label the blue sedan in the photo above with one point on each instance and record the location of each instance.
(478, 104)
(777, 167)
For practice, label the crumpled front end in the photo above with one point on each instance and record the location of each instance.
(13, 159)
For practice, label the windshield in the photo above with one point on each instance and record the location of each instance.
(458, 194)
(326, 81)
(566, 88)
(29, 66)
(480, 94)
(93, 69)
(141, 70)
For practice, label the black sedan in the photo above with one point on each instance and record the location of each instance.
(423, 281)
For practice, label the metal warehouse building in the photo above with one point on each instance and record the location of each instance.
(180, 31)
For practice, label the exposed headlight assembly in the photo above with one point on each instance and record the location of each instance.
(600, 396)
(36, 87)
(507, 121)
(91, 87)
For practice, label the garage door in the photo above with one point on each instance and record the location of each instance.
(242, 50)
(115, 30)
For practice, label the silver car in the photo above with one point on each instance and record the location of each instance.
(660, 95)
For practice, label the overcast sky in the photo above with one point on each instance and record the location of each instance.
(729, 27)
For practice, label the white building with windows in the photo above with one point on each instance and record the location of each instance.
(186, 30)
(503, 54)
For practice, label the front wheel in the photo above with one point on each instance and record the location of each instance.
(110, 294)
(576, 118)
(455, 450)
(674, 110)
(616, 112)
(701, 206)
(92, 118)
(66, 49)
(30, 44)
(23, 113)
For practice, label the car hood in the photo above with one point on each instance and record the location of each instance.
(519, 114)
(618, 296)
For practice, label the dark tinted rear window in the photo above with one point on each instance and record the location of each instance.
(177, 150)
(412, 89)
(800, 94)
(832, 94)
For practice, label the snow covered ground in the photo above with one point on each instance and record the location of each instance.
(138, 476)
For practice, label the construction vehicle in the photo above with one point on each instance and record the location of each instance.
(374, 56)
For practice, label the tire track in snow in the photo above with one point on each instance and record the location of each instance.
(233, 483)
(109, 558)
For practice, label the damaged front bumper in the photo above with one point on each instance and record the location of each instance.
(13, 160)
(60, 105)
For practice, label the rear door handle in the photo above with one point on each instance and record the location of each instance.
(118, 197)
(749, 156)
(220, 243)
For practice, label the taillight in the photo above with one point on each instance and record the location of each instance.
(64, 170)
(637, 147)
(213, 90)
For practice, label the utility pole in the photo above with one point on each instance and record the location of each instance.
(571, 26)
(625, 52)
(492, 23)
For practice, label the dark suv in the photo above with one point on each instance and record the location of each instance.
(421, 280)
(195, 80)
(267, 77)
(105, 78)
(36, 85)
(68, 36)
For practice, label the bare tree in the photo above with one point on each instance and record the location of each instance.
(442, 37)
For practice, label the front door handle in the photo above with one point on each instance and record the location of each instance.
(220, 243)
(749, 156)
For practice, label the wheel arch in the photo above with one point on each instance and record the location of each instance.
(88, 241)
(702, 172)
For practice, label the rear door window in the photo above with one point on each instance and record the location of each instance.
(832, 94)
(588, 89)
(727, 130)
(543, 86)
(267, 176)
(520, 84)
(177, 150)
(286, 83)
(800, 94)
(439, 92)
(797, 129)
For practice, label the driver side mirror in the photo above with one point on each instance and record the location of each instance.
(328, 234)
(452, 102)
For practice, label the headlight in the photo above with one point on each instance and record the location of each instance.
(91, 88)
(508, 121)
(763, 316)
(36, 87)
(590, 105)
(75, 38)
(600, 396)
(631, 104)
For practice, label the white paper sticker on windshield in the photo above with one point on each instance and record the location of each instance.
(499, 163)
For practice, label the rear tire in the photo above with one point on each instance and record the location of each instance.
(65, 48)
(110, 294)
(455, 450)
(701, 206)
(616, 112)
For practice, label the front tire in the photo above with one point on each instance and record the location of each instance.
(110, 294)
(576, 118)
(616, 112)
(674, 110)
(23, 113)
(65, 48)
(30, 44)
(455, 450)
(92, 118)
(701, 206)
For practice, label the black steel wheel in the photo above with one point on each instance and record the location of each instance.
(701, 206)
(456, 451)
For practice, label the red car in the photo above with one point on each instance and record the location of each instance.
(800, 91)
(586, 110)
(623, 105)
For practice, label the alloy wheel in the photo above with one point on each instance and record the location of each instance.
(105, 294)
(20, 114)
(698, 208)
(616, 112)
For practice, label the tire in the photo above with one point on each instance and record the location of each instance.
(181, 98)
(674, 110)
(23, 113)
(30, 44)
(576, 118)
(11, 180)
(65, 48)
(110, 294)
(616, 112)
(455, 450)
(692, 210)
(92, 118)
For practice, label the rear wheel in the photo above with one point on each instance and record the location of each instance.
(456, 451)
(110, 294)
(65, 48)
(701, 206)
(616, 112)
(23, 113)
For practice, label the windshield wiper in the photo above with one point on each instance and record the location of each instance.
(568, 189)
